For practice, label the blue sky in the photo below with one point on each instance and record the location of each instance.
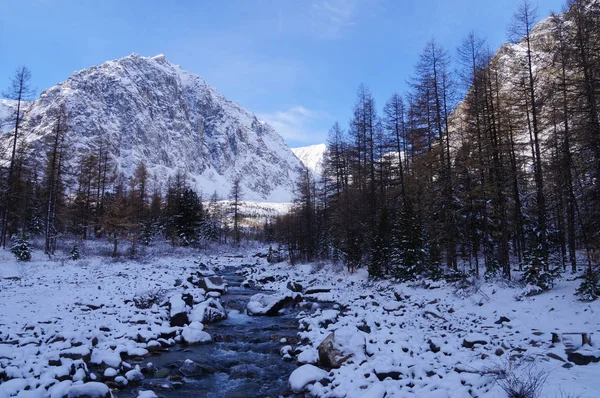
(295, 63)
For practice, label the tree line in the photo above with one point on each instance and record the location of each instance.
(506, 177)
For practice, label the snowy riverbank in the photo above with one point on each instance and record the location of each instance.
(403, 340)
(65, 326)
(73, 328)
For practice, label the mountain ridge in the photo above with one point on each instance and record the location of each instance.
(146, 108)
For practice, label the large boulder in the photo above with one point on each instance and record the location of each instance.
(213, 284)
(271, 305)
(341, 345)
(208, 311)
(178, 311)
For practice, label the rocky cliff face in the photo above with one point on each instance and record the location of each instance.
(149, 109)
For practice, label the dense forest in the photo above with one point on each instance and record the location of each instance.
(487, 165)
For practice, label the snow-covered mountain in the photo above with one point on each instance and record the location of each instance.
(150, 109)
(6, 111)
(312, 156)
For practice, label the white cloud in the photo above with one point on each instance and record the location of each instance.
(331, 19)
(298, 124)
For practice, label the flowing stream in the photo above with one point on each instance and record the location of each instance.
(244, 361)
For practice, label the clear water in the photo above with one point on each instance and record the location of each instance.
(244, 361)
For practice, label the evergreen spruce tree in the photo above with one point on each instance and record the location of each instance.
(189, 216)
(589, 290)
(408, 253)
(21, 249)
(381, 251)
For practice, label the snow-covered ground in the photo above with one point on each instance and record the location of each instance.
(66, 326)
(436, 340)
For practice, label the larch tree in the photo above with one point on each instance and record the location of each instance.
(520, 29)
(235, 195)
(55, 164)
(20, 91)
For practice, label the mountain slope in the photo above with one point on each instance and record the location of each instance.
(312, 156)
(149, 109)
(509, 64)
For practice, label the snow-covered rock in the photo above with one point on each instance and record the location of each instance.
(89, 390)
(305, 375)
(58, 390)
(110, 373)
(475, 338)
(208, 311)
(190, 368)
(309, 355)
(178, 310)
(193, 334)
(213, 284)
(375, 391)
(584, 356)
(121, 381)
(270, 305)
(341, 345)
(294, 287)
(147, 394)
(134, 375)
(145, 108)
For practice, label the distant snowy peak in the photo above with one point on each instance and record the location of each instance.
(312, 157)
(146, 108)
